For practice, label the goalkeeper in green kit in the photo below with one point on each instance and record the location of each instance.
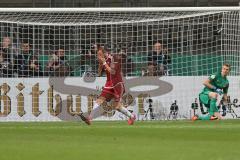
(216, 85)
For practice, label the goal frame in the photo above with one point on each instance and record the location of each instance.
(118, 9)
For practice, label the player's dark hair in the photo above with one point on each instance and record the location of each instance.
(98, 46)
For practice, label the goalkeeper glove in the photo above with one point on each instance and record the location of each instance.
(218, 90)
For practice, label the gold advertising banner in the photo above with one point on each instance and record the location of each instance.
(55, 102)
(5, 88)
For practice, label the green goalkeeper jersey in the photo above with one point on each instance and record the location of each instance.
(218, 81)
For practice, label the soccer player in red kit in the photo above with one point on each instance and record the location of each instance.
(114, 86)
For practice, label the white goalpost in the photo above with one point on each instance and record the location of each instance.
(49, 68)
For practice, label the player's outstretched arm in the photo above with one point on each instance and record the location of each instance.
(108, 68)
(208, 84)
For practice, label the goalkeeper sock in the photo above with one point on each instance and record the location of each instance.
(97, 111)
(207, 117)
(213, 106)
(125, 111)
(212, 109)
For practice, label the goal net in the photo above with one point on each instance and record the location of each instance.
(49, 67)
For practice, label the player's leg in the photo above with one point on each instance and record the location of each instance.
(213, 110)
(98, 110)
(119, 107)
(107, 94)
(118, 93)
(209, 100)
(86, 119)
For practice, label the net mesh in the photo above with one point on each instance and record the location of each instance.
(191, 43)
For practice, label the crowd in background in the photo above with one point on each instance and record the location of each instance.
(23, 62)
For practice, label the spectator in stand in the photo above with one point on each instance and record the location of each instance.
(126, 63)
(5, 65)
(35, 69)
(91, 59)
(23, 62)
(158, 61)
(6, 45)
(58, 65)
(6, 57)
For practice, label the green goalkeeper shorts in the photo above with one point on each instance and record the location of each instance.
(204, 98)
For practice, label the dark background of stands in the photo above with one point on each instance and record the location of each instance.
(116, 3)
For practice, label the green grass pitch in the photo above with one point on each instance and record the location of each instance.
(115, 140)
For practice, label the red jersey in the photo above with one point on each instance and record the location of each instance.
(113, 78)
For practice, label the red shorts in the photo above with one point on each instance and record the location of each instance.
(115, 92)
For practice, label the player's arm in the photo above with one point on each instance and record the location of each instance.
(208, 84)
(225, 101)
(100, 53)
(109, 69)
(225, 91)
(112, 69)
